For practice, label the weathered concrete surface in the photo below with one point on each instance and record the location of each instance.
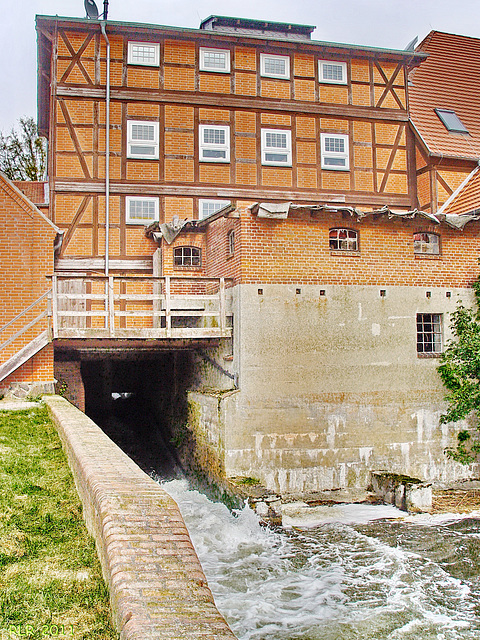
(331, 387)
(157, 586)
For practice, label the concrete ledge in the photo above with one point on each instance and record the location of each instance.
(158, 590)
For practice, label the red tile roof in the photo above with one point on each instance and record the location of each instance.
(447, 79)
(37, 192)
(466, 198)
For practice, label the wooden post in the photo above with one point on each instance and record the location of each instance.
(55, 306)
(168, 312)
(223, 319)
(111, 308)
(49, 315)
(157, 272)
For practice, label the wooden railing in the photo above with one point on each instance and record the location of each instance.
(19, 330)
(140, 307)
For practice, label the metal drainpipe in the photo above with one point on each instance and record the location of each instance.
(107, 153)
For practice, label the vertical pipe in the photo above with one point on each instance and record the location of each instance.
(107, 153)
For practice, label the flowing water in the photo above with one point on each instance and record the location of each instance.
(348, 577)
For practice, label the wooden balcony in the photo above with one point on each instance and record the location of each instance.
(141, 307)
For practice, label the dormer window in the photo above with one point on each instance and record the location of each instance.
(451, 121)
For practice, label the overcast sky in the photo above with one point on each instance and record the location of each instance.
(378, 23)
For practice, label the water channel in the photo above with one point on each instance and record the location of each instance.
(354, 575)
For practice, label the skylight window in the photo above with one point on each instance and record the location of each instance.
(451, 121)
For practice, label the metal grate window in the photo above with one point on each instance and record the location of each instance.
(429, 332)
(231, 242)
(187, 257)
(343, 240)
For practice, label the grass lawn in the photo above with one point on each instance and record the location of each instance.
(51, 584)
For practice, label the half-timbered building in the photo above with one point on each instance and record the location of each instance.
(238, 207)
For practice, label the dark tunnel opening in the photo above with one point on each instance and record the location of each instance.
(136, 401)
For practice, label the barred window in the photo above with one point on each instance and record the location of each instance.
(429, 333)
(343, 240)
(231, 242)
(187, 257)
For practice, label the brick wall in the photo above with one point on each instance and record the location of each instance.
(26, 258)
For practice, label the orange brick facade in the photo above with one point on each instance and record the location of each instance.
(26, 259)
(370, 109)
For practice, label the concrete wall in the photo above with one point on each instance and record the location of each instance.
(331, 387)
(157, 586)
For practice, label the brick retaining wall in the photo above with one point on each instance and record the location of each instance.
(158, 590)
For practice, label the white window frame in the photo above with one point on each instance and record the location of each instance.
(345, 239)
(280, 150)
(339, 155)
(323, 63)
(132, 142)
(205, 67)
(270, 74)
(155, 46)
(212, 146)
(219, 204)
(129, 219)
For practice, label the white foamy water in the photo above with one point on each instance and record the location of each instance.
(348, 580)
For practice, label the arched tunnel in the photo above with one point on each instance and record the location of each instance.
(136, 398)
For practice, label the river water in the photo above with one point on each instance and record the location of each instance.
(351, 574)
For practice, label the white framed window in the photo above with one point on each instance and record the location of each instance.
(141, 210)
(216, 60)
(214, 143)
(425, 243)
(332, 72)
(429, 333)
(335, 152)
(277, 147)
(144, 53)
(142, 139)
(208, 207)
(274, 66)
